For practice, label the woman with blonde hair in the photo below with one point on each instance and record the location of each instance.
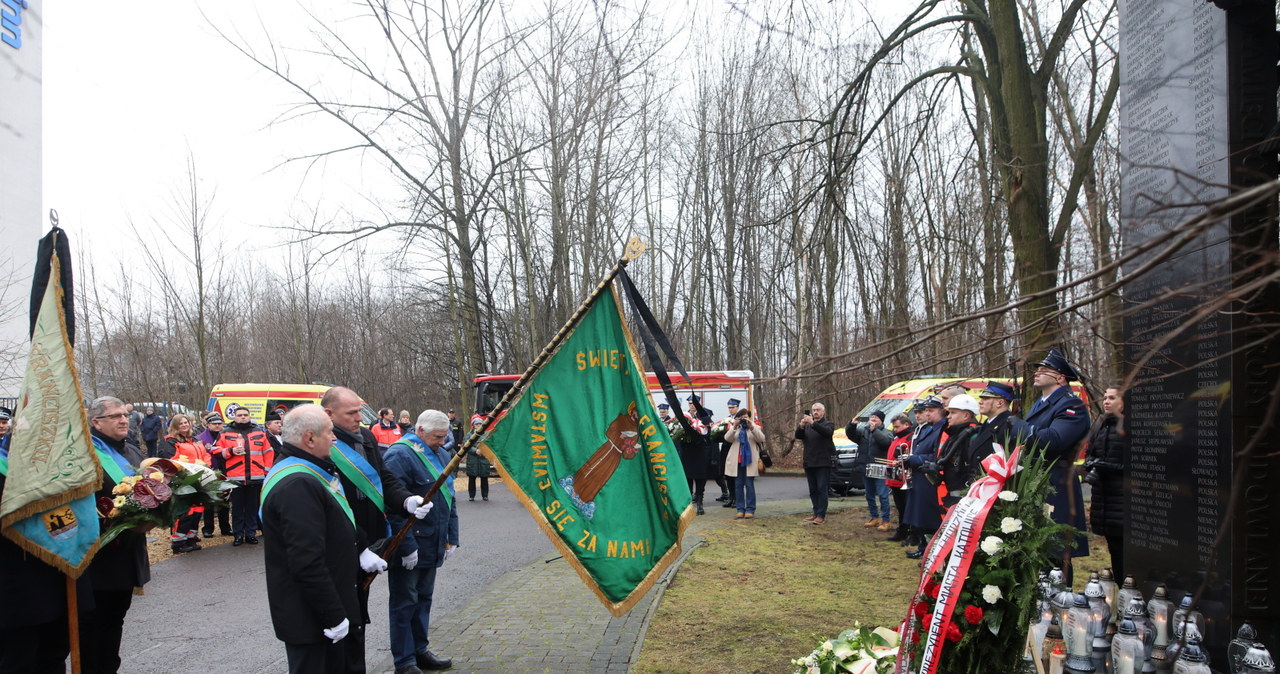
(181, 445)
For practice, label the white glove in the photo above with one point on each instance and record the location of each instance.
(371, 562)
(415, 506)
(410, 561)
(449, 552)
(337, 633)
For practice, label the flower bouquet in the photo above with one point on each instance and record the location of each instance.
(977, 593)
(860, 650)
(161, 492)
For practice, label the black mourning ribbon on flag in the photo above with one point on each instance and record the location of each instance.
(656, 345)
(54, 242)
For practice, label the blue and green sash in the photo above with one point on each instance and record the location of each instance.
(113, 463)
(432, 469)
(293, 464)
(361, 473)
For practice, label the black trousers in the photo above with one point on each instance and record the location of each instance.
(697, 488)
(101, 630)
(224, 521)
(1115, 545)
(35, 649)
(323, 656)
(899, 502)
(471, 486)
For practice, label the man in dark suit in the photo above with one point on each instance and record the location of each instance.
(311, 554)
(1058, 422)
(122, 565)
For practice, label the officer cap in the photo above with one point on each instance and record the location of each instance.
(997, 389)
(933, 402)
(6, 413)
(1057, 362)
(734, 402)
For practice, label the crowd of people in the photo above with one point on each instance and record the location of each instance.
(331, 493)
(927, 464)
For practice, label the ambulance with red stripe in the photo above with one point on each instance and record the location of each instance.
(715, 387)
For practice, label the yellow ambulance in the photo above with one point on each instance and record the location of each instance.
(262, 398)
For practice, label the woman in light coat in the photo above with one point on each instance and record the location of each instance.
(746, 439)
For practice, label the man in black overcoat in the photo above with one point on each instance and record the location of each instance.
(312, 560)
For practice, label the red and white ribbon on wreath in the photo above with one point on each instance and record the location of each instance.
(954, 546)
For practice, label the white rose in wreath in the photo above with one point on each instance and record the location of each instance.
(991, 545)
(991, 594)
(1007, 496)
(1009, 525)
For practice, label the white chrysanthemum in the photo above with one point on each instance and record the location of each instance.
(1048, 510)
(992, 544)
(991, 593)
(1009, 525)
(826, 646)
(1008, 496)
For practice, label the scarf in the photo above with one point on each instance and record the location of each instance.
(744, 446)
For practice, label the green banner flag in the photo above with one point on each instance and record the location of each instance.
(48, 506)
(584, 451)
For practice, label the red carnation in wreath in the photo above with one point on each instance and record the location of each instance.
(973, 614)
(921, 609)
(953, 632)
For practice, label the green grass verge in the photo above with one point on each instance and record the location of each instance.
(761, 592)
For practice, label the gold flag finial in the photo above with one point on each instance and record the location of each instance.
(635, 248)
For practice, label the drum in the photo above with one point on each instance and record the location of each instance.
(877, 471)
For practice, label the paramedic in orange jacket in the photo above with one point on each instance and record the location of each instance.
(386, 431)
(248, 456)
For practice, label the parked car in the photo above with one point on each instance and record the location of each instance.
(844, 480)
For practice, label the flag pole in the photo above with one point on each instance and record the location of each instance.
(73, 623)
(635, 247)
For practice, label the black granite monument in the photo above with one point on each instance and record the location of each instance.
(1198, 119)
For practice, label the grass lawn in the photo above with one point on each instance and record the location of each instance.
(761, 592)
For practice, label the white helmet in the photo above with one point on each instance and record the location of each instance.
(965, 402)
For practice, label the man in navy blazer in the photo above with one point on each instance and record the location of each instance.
(416, 460)
(1057, 423)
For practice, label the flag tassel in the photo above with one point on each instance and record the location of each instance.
(635, 247)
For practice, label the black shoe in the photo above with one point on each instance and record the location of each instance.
(225, 533)
(915, 554)
(700, 510)
(411, 669)
(207, 534)
(729, 504)
(429, 660)
(238, 541)
(486, 498)
(899, 536)
(251, 540)
(471, 498)
(723, 497)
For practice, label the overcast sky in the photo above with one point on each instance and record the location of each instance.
(130, 95)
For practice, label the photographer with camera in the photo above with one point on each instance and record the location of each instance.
(1104, 473)
(815, 430)
(924, 512)
(741, 463)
